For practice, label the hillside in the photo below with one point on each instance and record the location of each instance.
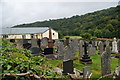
(103, 23)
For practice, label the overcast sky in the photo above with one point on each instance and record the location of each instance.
(16, 12)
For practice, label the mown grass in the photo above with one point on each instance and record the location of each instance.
(95, 66)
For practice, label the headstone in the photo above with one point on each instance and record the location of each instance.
(93, 43)
(68, 67)
(75, 44)
(68, 53)
(105, 63)
(114, 46)
(34, 47)
(86, 72)
(72, 49)
(20, 44)
(117, 71)
(107, 43)
(68, 62)
(91, 50)
(61, 52)
(86, 58)
(118, 45)
(108, 49)
(44, 42)
(56, 42)
(81, 48)
(100, 47)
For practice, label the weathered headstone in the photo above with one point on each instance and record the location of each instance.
(68, 62)
(100, 47)
(118, 45)
(20, 44)
(91, 50)
(61, 51)
(75, 44)
(44, 42)
(81, 48)
(105, 63)
(86, 72)
(72, 49)
(56, 42)
(34, 46)
(107, 43)
(117, 71)
(114, 46)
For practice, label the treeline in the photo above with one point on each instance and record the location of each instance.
(103, 24)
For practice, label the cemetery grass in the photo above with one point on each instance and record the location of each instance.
(95, 66)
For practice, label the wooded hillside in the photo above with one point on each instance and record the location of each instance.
(103, 23)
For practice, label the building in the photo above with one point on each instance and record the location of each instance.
(28, 33)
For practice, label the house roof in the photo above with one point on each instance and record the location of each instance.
(28, 30)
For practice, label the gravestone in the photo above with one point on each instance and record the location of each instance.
(72, 49)
(108, 49)
(56, 42)
(86, 72)
(118, 45)
(100, 47)
(114, 46)
(105, 62)
(75, 44)
(61, 52)
(34, 46)
(20, 44)
(91, 50)
(107, 43)
(44, 42)
(81, 48)
(86, 58)
(68, 62)
(117, 71)
(93, 42)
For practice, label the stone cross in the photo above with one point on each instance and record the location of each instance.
(105, 62)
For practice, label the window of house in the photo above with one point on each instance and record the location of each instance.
(5, 36)
(53, 33)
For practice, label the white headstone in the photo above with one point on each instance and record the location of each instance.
(114, 46)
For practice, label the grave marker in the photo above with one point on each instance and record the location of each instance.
(105, 62)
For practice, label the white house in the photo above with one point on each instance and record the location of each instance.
(28, 33)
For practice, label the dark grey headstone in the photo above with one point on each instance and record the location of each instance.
(68, 67)
(105, 63)
(35, 50)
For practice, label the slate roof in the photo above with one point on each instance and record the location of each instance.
(28, 30)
